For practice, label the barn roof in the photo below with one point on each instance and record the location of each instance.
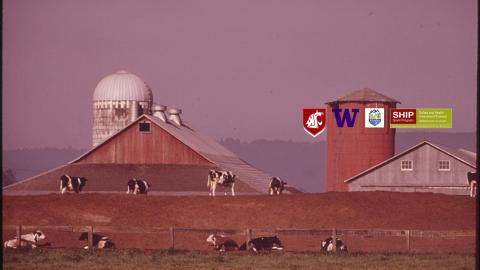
(365, 95)
(207, 148)
(216, 153)
(462, 155)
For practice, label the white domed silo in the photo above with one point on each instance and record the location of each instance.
(118, 99)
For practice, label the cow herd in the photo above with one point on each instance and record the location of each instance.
(226, 179)
(31, 241)
(215, 178)
(76, 184)
(220, 242)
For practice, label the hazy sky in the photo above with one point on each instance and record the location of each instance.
(241, 69)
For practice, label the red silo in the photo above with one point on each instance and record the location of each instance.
(351, 150)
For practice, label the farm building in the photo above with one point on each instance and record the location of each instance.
(135, 138)
(351, 150)
(426, 167)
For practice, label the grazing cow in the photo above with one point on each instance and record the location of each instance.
(99, 241)
(71, 183)
(222, 243)
(472, 182)
(276, 186)
(327, 245)
(27, 240)
(223, 178)
(136, 186)
(263, 243)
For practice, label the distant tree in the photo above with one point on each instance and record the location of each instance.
(8, 177)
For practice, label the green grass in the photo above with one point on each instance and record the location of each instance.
(139, 260)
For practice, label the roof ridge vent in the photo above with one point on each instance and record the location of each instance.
(174, 116)
(159, 112)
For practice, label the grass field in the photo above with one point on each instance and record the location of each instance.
(139, 260)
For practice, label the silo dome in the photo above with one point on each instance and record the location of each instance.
(122, 86)
(118, 100)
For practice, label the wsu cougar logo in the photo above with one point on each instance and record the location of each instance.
(314, 121)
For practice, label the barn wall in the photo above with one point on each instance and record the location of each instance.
(134, 147)
(425, 177)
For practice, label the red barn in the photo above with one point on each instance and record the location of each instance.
(174, 158)
(135, 138)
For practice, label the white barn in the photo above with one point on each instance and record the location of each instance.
(425, 167)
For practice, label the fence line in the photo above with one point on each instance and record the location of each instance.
(172, 231)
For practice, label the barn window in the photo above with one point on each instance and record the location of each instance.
(406, 165)
(444, 165)
(144, 127)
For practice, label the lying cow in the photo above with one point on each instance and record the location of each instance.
(99, 241)
(222, 243)
(263, 243)
(223, 178)
(276, 186)
(136, 186)
(71, 183)
(327, 245)
(27, 240)
(472, 183)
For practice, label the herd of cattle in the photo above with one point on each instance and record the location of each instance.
(220, 242)
(215, 178)
(32, 240)
(223, 243)
(76, 184)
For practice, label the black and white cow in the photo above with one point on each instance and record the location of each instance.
(222, 178)
(99, 241)
(71, 183)
(27, 240)
(263, 243)
(276, 186)
(327, 245)
(222, 243)
(472, 183)
(136, 186)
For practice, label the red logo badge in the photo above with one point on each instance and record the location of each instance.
(403, 116)
(314, 121)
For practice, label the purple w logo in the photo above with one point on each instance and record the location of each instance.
(346, 117)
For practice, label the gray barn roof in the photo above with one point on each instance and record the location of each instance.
(217, 154)
(462, 155)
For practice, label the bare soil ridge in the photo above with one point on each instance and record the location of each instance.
(355, 210)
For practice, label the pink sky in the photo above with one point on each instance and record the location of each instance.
(241, 69)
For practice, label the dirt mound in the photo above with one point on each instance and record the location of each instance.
(388, 210)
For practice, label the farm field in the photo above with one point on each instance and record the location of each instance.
(137, 259)
(354, 210)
